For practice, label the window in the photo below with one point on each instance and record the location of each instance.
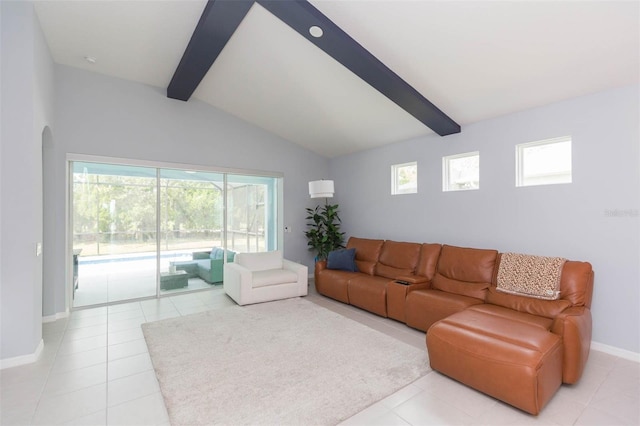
(404, 178)
(544, 162)
(461, 172)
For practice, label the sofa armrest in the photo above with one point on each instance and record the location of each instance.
(419, 286)
(574, 326)
(303, 275)
(199, 255)
(320, 266)
(295, 267)
(413, 279)
(237, 282)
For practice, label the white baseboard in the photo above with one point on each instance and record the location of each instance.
(55, 317)
(612, 350)
(22, 359)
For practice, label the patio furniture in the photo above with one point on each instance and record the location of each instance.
(173, 280)
(205, 264)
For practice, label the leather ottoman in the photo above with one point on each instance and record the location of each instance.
(517, 362)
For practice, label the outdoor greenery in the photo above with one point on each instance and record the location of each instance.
(121, 210)
(324, 233)
(127, 205)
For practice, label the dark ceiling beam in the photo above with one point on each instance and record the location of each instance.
(217, 24)
(221, 18)
(301, 16)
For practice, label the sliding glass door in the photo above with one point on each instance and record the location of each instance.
(251, 213)
(192, 218)
(114, 232)
(141, 232)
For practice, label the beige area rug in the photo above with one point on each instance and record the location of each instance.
(289, 362)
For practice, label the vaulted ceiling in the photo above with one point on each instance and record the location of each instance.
(474, 60)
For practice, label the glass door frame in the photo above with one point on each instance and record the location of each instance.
(277, 193)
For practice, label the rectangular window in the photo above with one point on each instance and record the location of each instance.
(544, 162)
(404, 178)
(461, 172)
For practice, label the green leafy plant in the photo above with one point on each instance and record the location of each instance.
(324, 233)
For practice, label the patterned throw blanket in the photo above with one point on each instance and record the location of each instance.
(531, 276)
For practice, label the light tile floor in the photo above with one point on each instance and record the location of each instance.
(95, 370)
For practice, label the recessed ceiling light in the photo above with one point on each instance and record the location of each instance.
(90, 59)
(316, 31)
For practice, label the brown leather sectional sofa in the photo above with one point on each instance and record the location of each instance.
(517, 349)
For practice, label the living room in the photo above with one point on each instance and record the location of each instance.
(51, 110)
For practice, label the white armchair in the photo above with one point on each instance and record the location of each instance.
(262, 277)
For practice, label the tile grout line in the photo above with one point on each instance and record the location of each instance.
(49, 369)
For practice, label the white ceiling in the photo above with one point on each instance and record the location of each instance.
(473, 59)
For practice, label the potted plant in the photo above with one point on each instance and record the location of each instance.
(324, 233)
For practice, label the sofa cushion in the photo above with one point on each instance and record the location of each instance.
(530, 276)
(425, 307)
(367, 253)
(463, 288)
(465, 271)
(343, 260)
(204, 264)
(390, 272)
(369, 293)
(467, 264)
(511, 315)
(530, 305)
(397, 259)
(428, 261)
(334, 283)
(268, 277)
(217, 253)
(260, 261)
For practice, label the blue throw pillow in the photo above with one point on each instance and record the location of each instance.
(343, 260)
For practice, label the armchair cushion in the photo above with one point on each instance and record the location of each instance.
(273, 276)
(266, 260)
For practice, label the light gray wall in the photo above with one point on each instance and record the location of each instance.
(27, 105)
(572, 220)
(104, 116)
